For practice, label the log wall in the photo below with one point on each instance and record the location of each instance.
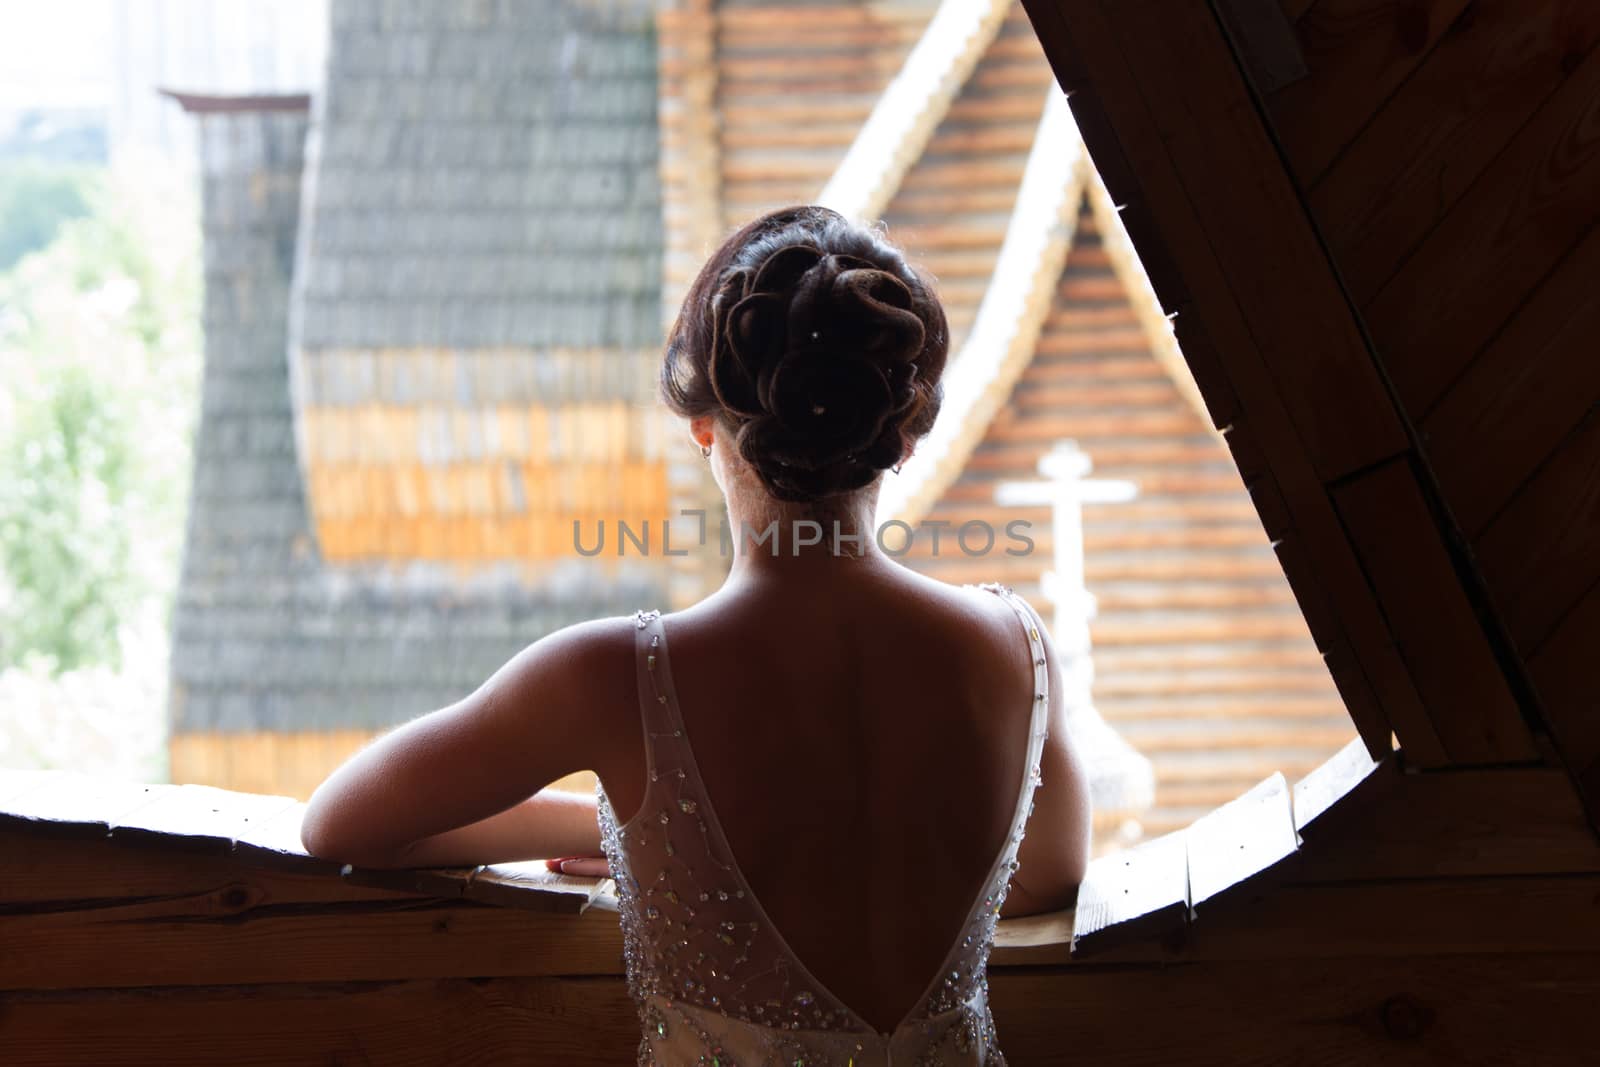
(1363, 915)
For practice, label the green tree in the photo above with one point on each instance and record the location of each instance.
(64, 527)
(99, 356)
(35, 202)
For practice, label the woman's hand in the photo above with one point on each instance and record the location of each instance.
(581, 866)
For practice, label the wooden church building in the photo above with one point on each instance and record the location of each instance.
(1370, 233)
(431, 349)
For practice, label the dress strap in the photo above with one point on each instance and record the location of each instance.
(1041, 668)
(657, 707)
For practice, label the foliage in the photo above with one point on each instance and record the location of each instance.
(64, 522)
(35, 202)
(99, 356)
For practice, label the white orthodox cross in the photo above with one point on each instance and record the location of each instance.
(1066, 489)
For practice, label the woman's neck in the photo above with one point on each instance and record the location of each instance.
(810, 541)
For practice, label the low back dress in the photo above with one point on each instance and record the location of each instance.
(713, 979)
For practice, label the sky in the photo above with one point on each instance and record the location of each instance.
(55, 53)
(111, 56)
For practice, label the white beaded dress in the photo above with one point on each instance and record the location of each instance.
(713, 980)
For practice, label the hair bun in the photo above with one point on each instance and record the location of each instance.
(815, 355)
(889, 328)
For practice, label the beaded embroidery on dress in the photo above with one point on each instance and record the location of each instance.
(713, 980)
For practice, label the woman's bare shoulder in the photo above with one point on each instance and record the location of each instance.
(591, 656)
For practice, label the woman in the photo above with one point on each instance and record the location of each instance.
(816, 880)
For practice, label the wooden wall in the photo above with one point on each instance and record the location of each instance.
(1370, 223)
(1450, 158)
(292, 763)
(400, 469)
(1365, 916)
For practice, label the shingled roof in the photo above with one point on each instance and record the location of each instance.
(485, 175)
(434, 228)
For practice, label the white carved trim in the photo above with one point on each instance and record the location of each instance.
(1006, 328)
(912, 105)
(1146, 305)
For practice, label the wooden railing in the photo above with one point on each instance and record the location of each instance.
(1366, 915)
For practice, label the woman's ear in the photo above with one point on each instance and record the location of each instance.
(702, 430)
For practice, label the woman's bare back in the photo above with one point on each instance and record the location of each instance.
(861, 733)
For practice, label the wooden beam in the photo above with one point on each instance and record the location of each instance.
(1395, 824)
(256, 928)
(1177, 137)
(412, 1023)
(1543, 550)
(1563, 672)
(1480, 440)
(1467, 278)
(1407, 168)
(1465, 1008)
(1358, 51)
(1430, 619)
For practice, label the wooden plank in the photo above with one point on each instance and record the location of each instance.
(444, 883)
(79, 804)
(199, 817)
(225, 935)
(1263, 34)
(1239, 841)
(1358, 52)
(275, 842)
(1242, 200)
(1540, 554)
(1522, 396)
(1433, 138)
(1494, 249)
(1034, 940)
(1139, 894)
(532, 885)
(419, 1023)
(68, 872)
(1328, 784)
(14, 783)
(1430, 619)
(1563, 672)
(1436, 824)
(1466, 1009)
(1377, 720)
(1409, 917)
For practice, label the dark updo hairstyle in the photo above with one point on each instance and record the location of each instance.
(816, 344)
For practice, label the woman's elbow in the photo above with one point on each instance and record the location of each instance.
(320, 838)
(326, 836)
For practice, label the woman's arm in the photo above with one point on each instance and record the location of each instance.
(549, 823)
(458, 786)
(1054, 854)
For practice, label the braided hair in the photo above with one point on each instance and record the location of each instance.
(816, 345)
